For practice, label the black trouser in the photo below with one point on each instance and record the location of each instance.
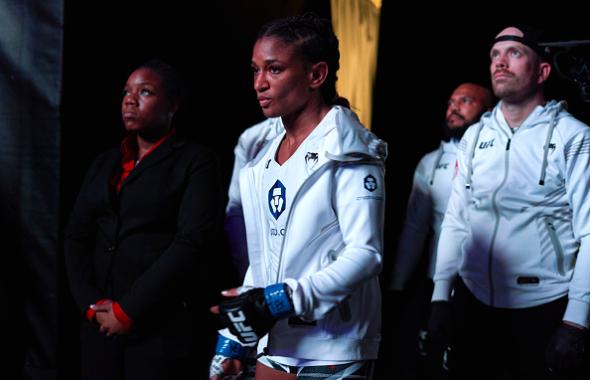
(495, 343)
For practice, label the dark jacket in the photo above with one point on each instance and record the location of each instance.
(147, 246)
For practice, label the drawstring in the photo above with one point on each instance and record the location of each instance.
(471, 154)
(548, 140)
(438, 158)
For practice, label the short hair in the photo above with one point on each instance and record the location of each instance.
(170, 78)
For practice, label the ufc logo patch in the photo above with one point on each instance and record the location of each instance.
(238, 319)
(486, 144)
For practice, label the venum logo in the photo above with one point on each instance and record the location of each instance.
(311, 159)
(370, 183)
(277, 200)
(238, 319)
(486, 144)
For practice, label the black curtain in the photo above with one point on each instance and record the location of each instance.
(30, 87)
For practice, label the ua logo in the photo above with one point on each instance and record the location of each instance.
(277, 199)
(486, 144)
(311, 159)
(370, 183)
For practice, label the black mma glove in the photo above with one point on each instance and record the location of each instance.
(435, 341)
(566, 348)
(440, 322)
(252, 314)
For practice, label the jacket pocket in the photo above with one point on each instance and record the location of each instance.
(557, 248)
(325, 229)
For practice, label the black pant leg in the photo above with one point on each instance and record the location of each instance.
(101, 356)
(476, 332)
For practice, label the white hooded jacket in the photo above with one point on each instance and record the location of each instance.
(517, 224)
(427, 204)
(332, 248)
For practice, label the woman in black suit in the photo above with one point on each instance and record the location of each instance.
(142, 222)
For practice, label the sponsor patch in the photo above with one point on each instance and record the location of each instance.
(277, 201)
(370, 183)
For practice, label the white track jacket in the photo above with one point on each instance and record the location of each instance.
(332, 249)
(518, 220)
(431, 188)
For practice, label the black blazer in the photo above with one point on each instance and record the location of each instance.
(145, 246)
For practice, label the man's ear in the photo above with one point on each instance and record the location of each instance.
(544, 71)
(318, 74)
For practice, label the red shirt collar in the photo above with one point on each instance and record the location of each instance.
(129, 148)
(129, 153)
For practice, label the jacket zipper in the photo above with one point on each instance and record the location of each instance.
(497, 223)
(556, 244)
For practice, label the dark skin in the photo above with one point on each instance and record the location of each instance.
(147, 109)
(289, 87)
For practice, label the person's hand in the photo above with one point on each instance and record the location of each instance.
(105, 316)
(440, 321)
(250, 315)
(224, 368)
(566, 349)
(227, 362)
(438, 336)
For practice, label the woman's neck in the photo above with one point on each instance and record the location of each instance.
(297, 128)
(146, 140)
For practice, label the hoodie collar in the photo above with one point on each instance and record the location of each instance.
(540, 114)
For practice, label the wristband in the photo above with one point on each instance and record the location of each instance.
(278, 300)
(230, 348)
(121, 316)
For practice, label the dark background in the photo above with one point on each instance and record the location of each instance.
(424, 53)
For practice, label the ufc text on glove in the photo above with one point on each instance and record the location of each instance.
(251, 315)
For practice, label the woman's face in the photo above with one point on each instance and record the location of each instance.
(281, 79)
(146, 104)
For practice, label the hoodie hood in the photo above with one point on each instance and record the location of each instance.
(352, 141)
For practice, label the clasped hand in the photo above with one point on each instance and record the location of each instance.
(105, 316)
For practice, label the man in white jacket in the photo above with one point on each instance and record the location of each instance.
(515, 237)
(428, 199)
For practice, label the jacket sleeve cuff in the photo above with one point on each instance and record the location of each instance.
(442, 290)
(90, 313)
(296, 295)
(577, 312)
(121, 316)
